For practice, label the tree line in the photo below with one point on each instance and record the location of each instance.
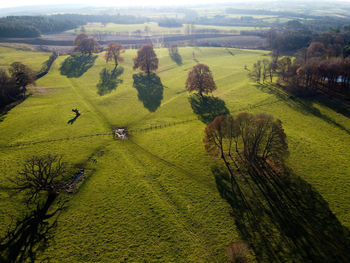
(169, 22)
(34, 26)
(18, 30)
(324, 65)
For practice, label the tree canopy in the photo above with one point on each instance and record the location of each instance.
(146, 59)
(113, 52)
(200, 79)
(86, 45)
(246, 138)
(22, 75)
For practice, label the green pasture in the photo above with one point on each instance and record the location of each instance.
(153, 198)
(34, 59)
(111, 28)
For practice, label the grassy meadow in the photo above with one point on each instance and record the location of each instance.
(153, 198)
(22, 54)
(110, 28)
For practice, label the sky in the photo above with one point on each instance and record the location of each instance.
(14, 3)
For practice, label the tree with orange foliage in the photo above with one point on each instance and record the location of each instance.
(113, 52)
(146, 59)
(79, 38)
(200, 79)
(86, 45)
(246, 139)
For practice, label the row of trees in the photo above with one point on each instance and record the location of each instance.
(323, 65)
(169, 22)
(18, 30)
(199, 79)
(14, 86)
(33, 26)
(245, 140)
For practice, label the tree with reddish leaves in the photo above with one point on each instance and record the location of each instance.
(79, 38)
(85, 44)
(113, 53)
(316, 49)
(146, 59)
(246, 139)
(200, 79)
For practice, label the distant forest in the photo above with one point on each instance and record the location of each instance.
(34, 26)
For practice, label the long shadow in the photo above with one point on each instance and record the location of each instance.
(150, 90)
(230, 52)
(76, 65)
(305, 106)
(176, 57)
(109, 80)
(207, 107)
(77, 114)
(338, 105)
(4, 109)
(31, 235)
(71, 121)
(284, 219)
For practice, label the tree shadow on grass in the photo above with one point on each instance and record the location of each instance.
(109, 80)
(76, 65)
(285, 220)
(305, 106)
(31, 235)
(176, 57)
(207, 107)
(150, 90)
(230, 52)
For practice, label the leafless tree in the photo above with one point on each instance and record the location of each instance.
(40, 175)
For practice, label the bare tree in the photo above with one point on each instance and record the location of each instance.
(31, 235)
(40, 175)
(265, 69)
(255, 73)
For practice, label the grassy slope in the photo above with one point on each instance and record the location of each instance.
(30, 58)
(153, 197)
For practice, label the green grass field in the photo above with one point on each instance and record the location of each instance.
(112, 28)
(152, 198)
(34, 59)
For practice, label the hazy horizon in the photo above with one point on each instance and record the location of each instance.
(23, 3)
